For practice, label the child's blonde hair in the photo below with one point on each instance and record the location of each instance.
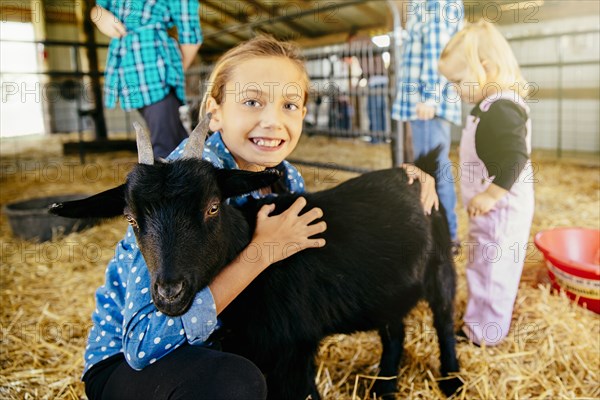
(260, 46)
(482, 41)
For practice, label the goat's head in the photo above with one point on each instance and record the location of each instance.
(178, 214)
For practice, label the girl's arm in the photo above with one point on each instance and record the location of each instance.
(486, 200)
(149, 335)
(275, 239)
(500, 142)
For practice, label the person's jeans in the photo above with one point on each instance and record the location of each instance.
(376, 108)
(426, 136)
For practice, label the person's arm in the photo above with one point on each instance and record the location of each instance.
(275, 239)
(187, 20)
(149, 335)
(429, 197)
(107, 22)
(188, 53)
(441, 20)
(483, 202)
(500, 142)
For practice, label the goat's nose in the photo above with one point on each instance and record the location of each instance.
(169, 290)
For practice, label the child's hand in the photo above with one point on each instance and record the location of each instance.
(483, 202)
(425, 111)
(429, 197)
(107, 23)
(480, 204)
(285, 234)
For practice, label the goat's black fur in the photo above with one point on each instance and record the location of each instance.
(382, 256)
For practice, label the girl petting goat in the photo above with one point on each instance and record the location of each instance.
(204, 263)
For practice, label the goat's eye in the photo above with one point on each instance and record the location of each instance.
(214, 209)
(131, 221)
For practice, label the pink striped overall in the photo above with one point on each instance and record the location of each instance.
(497, 241)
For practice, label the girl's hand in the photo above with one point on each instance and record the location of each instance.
(275, 238)
(485, 201)
(429, 197)
(107, 23)
(481, 204)
(283, 235)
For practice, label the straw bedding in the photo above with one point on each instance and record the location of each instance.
(47, 293)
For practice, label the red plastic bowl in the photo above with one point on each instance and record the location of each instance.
(573, 260)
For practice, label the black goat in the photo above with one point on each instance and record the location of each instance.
(382, 256)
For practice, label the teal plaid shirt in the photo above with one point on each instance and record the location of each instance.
(430, 25)
(143, 66)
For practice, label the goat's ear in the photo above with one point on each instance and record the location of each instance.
(235, 182)
(107, 204)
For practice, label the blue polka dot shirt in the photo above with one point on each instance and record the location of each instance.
(125, 319)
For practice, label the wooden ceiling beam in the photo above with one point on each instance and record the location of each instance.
(237, 17)
(333, 37)
(372, 14)
(274, 11)
(218, 27)
(205, 20)
(282, 18)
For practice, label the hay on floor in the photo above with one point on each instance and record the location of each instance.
(47, 294)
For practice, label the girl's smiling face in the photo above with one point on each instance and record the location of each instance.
(261, 112)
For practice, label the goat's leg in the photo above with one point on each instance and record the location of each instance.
(449, 363)
(440, 297)
(440, 290)
(392, 340)
(293, 376)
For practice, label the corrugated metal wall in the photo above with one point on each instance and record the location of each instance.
(558, 59)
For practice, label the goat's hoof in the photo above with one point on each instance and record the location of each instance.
(450, 385)
(387, 396)
(384, 390)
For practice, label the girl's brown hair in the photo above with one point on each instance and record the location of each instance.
(260, 46)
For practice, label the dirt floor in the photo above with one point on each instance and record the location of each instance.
(47, 289)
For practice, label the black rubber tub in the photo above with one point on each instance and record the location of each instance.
(30, 219)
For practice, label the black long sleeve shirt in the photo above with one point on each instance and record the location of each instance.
(500, 141)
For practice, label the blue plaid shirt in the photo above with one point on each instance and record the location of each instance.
(125, 319)
(430, 25)
(144, 65)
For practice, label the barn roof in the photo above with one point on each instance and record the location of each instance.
(311, 23)
(319, 22)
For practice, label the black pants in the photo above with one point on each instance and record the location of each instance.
(190, 372)
(166, 129)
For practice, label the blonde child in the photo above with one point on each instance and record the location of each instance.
(496, 175)
(257, 98)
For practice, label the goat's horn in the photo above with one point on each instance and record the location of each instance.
(195, 144)
(144, 146)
